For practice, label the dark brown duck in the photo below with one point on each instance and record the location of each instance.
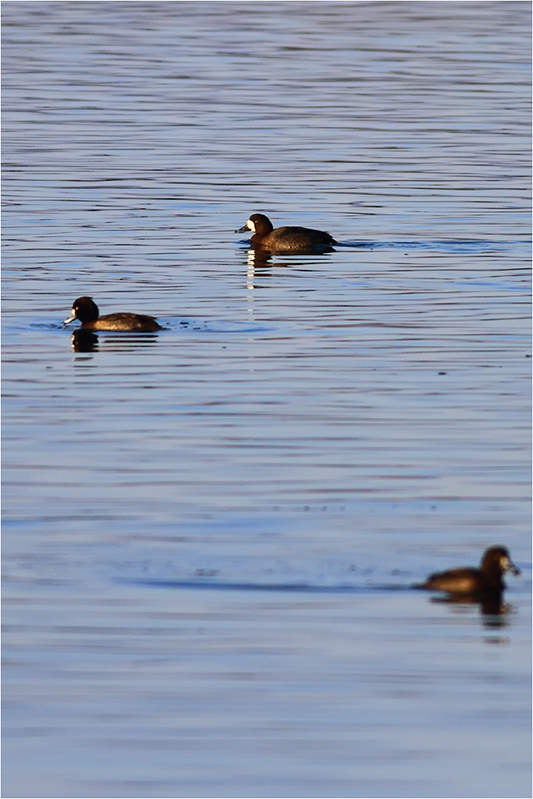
(469, 581)
(288, 239)
(86, 311)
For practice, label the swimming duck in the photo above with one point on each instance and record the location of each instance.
(86, 311)
(469, 581)
(286, 239)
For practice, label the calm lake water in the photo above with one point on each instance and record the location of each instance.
(210, 532)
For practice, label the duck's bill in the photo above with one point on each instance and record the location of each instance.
(243, 229)
(69, 320)
(510, 567)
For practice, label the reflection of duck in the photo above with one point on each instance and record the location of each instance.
(89, 341)
(86, 311)
(490, 603)
(297, 240)
(474, 584)
(84, 340)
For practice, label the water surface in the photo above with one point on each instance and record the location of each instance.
(210, 533)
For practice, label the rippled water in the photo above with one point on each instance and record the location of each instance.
(209, 532)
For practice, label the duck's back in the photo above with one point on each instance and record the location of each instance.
(140, 323)
(289, 238)
(457, 581)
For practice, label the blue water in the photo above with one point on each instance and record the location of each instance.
(210, 533)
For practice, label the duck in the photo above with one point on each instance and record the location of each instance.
(288, 239)
(471, 582)
(86, 311)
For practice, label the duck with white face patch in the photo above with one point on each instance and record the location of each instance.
(469, 581)
(86, 311)
(288, 239)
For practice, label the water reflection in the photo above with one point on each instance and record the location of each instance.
(259, 262)
(257, 258)
(492, 607)
(84, 341)
(88, 341)
(257, 267)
